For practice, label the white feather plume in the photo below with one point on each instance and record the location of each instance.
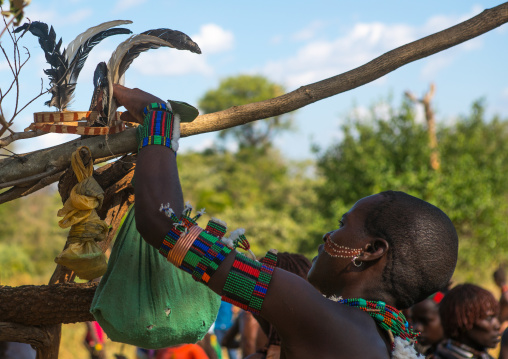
(75, 44)
(405, 350)
(123, 52)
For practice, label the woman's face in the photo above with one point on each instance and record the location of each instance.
(426, 320)
(485, 332)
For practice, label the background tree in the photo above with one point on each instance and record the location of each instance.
(241, 90)
(275, 195)
(377, 154)
(30, 172)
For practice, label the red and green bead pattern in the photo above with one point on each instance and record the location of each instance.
(157, 128)
(214, 227)
(386, 316)
(247, 282)
(248, 279)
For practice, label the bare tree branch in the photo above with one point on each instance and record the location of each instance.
(20, 182)
(11, 332)
(59, 156)
(17, 192)
(47, 304)
(19, 136)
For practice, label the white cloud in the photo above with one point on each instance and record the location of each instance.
(171, 62)
(76, 17)
(504, 94)
(440, 22)
(435, 64)
(277, 39)
(308, 32)
(363, 42)
(322, 59)
(35, 12)
(122, 5)
(4, 65)
(53, 18)
(213, 39)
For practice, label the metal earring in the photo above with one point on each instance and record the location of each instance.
(354, 261)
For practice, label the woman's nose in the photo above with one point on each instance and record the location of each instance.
(327, 236)
(497, 324)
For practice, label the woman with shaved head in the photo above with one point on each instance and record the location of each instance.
(389, 251)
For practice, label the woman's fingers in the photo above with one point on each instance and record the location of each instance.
(128, 117)
(134, 100)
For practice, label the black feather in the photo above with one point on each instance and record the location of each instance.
(60, 88)
(81, 55)
(101, 88)
(100, 75)
(62, 75)
(37, 28)
(176, 39)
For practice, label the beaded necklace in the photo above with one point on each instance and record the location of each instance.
(386, 316)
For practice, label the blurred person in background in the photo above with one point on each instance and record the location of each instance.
(15, 350)
(469, 316)
(95, 339)
(425, 319)
(222, 324)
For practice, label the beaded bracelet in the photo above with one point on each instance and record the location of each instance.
(191, 248)
(200, 253)
(210, 262)
(160, 127)
(247, 282)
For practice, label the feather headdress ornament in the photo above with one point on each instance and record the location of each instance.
(67, 64)
(131, 48)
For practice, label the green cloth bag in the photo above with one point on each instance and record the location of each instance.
(143, 300)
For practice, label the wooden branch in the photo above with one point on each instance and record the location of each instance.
(17, 192)
(59, 156)
(47, 304)
(22, 181)
(20, 136)
(11, 332)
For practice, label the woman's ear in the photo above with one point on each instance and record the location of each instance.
(376, 249)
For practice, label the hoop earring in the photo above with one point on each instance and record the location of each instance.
(354, 262)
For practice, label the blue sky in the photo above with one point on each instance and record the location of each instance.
(293, 43)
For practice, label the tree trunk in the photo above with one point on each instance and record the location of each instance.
(431, 124)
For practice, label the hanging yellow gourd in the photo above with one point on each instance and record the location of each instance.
(82, 254)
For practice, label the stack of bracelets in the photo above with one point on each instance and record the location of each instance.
(200, 252)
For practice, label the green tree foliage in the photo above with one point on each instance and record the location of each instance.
(256, 190)
(15, 9)
(255, 187)
(242, 90)
(30, 237)
(378, 154)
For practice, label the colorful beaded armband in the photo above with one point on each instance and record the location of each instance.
(160, 127)
(248, 280)
(189, 247)
(200, 253)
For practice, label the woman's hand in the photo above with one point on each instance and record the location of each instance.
(134, 100)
